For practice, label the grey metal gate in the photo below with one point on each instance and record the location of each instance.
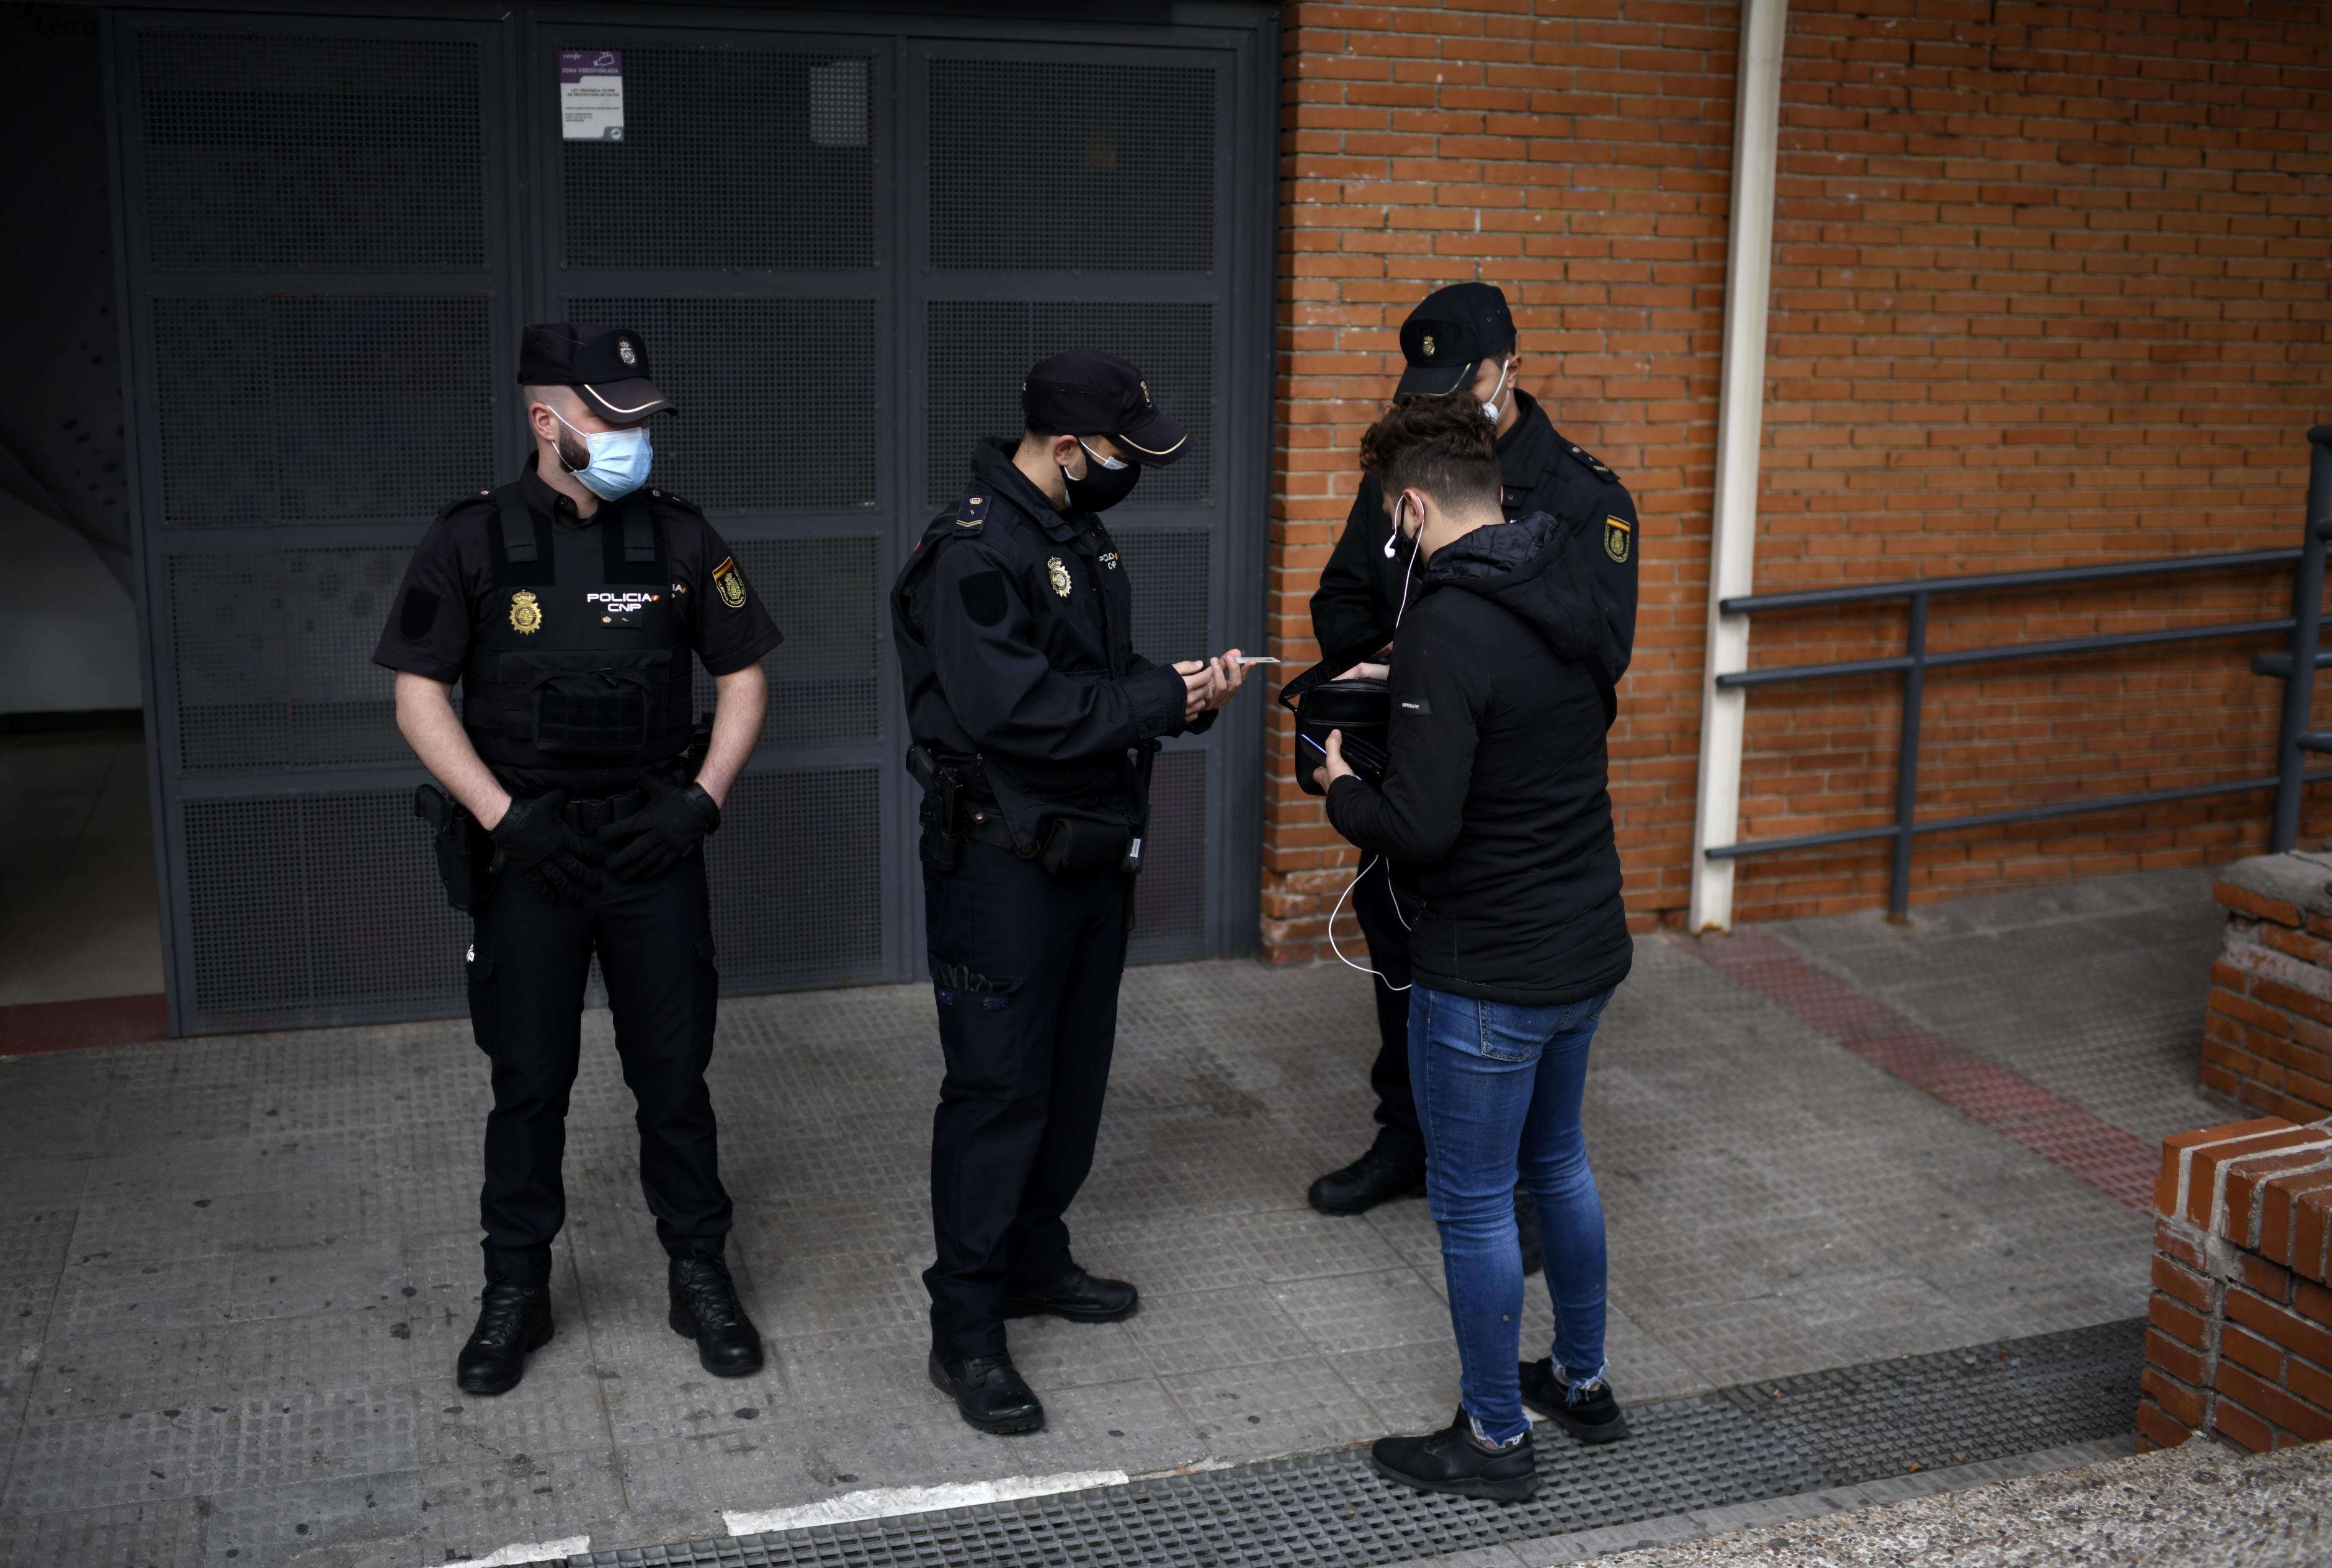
(844, 239)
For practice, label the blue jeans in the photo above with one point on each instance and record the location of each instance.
(1498, 1089)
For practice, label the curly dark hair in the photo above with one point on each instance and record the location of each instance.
(1444, 446)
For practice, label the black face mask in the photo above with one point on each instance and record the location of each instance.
(1102, 487)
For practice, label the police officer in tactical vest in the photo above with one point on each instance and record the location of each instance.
(567, 605)
(1459, 342)
(1033, 723)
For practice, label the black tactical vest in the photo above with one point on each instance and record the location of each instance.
(579, 662)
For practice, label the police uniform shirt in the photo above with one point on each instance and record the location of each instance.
(1360, 593)
(1014, 626)
(451, 586)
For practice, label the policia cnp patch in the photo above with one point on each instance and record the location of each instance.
(730, 582)
(1618, 537)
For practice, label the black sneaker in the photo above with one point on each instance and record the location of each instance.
(1590, 1414)
(1374, 1178)
(1450, 1461)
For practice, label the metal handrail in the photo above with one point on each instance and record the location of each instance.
(2297, 668)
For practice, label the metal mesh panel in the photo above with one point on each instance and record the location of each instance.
(731, 157)
(318, 908)
(1169, 898)
(976, 351)
(1109, 167)
(796, 876)
(300, 407)
(776, 397)
(323, 154)
(827, 596)
(1167, 569)
(275, 658)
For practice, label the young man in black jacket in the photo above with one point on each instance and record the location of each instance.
(1460, 343)
(1495, 812)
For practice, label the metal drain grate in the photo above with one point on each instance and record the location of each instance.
(1771, 1439)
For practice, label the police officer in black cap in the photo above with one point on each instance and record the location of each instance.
(568, 605)
(1459, 342)
(1033, 723)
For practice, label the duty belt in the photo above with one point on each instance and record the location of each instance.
(587, 817)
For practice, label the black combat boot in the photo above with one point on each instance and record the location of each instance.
(988, 1393)
(1385, 1171)
(1587, 1411)
(1453, 1460)
(704, 1309)
(512, 1319)
(1079, 1297)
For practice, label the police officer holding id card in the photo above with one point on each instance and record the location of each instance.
(1034, 724)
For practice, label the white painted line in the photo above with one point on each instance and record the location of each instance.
(884, 1502)
(520, 1551)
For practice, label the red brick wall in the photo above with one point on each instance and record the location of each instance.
(2051, 285)
(2267, 1033)
(1579, 157)
(2239, 1336)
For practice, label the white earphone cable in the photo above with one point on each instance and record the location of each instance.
(1368, 865)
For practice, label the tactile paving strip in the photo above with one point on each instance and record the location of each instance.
(1740, 1445)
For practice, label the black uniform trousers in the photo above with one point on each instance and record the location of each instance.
(1388, 938)
(1025, 968)
(527, 972)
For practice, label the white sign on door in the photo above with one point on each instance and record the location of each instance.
(591, 94)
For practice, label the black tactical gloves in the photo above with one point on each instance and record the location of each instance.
(672, 824)
(533, 835)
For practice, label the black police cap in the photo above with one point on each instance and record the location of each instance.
(608, 365)
(1087, 393)
(1448, 334)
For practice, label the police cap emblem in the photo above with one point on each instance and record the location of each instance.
(1059, 574)
(623, 352)
(525, 613)
(1428, 345)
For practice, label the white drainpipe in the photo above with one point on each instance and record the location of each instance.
(1740, 428)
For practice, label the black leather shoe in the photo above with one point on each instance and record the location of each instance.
(1079, 1297)
(512, 1319)
(1376, 1176)
(1526, 1231)
(1450, 1461)
(704, 1309)
(1590, 1414)
(989, 1394)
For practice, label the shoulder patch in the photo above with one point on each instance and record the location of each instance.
(971, 513)
(1593, 464)
(729, 583)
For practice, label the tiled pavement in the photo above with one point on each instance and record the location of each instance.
(233, 1273)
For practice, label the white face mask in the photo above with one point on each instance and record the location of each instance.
(620, 459)
(1490, 409)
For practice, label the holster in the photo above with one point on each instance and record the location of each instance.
(943, 810)
(467, 860)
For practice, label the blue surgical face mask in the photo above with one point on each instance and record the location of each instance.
(619, 462)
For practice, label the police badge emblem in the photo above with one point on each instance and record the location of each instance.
(526, 613)
(730, 582)
(1428, 345)
(1616, 536)
(1059, 574)
(623, 352)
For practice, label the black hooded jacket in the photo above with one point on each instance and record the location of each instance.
(1495, 811)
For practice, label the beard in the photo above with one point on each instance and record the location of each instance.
(572, 451)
